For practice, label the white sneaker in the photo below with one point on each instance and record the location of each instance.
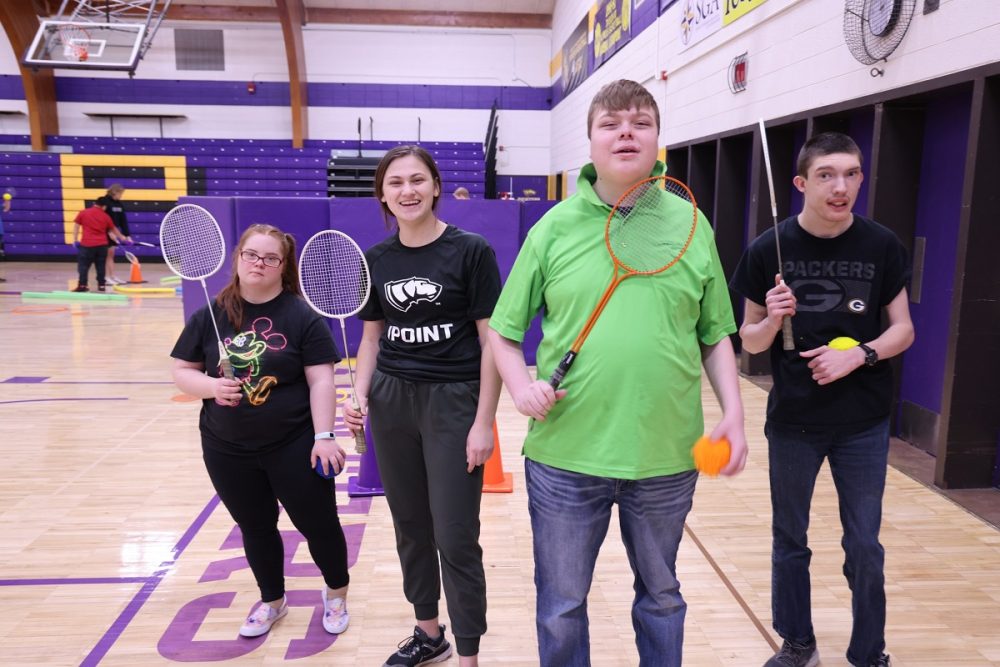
(262, 618)
(335, 616)
(111, 280)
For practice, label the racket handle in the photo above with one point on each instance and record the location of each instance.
(360, 444)
(560, 372)
(227, 368)
(787, 339)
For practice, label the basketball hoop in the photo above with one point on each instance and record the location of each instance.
(74, 42)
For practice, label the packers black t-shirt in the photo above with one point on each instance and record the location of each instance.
(430, 298)
(277, 341)
(841, 285)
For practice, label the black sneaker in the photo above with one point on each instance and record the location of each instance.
(81, 288)
(883, 661)
(100, 288)
(419, 649)
(793, 654)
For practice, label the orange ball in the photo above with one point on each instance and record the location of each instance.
(710, 457)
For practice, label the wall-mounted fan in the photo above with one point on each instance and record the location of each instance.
(874, 28)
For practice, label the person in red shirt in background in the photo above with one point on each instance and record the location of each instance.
(93, 226)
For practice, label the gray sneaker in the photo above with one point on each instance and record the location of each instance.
(793, 654)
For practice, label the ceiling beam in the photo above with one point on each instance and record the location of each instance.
(292, 14)
(185, 12)
(21, 23)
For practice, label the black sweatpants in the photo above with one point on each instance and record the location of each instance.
(251, 487)
(420, 431)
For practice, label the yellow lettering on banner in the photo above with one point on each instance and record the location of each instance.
(555, 64)
(734, 9)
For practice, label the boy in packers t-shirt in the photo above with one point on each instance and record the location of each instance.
(841, 273)
(620, 429)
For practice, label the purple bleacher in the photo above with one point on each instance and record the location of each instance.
(269, 169)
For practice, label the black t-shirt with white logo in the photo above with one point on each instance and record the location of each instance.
(269, 354)
(430, 298)
(841, 285)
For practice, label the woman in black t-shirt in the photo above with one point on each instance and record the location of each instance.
(257, 431)
(428, 384)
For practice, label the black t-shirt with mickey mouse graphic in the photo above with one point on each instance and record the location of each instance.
(841, 285)
(278, 339)
(430, 298)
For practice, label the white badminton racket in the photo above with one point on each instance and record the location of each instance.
(787, 337)
(193, 247)
(334, 277)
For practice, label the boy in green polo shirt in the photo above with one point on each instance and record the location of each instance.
(621, 426)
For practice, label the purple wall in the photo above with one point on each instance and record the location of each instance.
(223, 209)
(363, 95)
(939, 205)
(499, 221)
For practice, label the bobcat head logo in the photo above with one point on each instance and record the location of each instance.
(402, 294)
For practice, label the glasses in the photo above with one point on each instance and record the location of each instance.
(250, 257)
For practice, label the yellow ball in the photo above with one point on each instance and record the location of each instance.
(710, 457)
(843, 343)
(7, 196)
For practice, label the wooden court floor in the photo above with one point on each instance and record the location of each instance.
(114, 549)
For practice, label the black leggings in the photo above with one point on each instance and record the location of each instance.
(251, 487)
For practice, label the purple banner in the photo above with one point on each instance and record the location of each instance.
(574, 59)
(612, 29)
(665, 4)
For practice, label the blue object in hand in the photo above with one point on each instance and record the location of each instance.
(319, 470)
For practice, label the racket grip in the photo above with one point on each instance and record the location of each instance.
(227, 368)
(360, 444)
(787, 339)
(560, 372)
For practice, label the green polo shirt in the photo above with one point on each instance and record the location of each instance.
(633, 403)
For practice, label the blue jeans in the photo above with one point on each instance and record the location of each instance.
(570, 514)
(858, 463)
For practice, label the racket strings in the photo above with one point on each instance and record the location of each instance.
(191, 243)
(334, 276)
(652, 226)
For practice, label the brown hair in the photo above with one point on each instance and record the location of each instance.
(391, 156)
(116, 189)
(825, 143)
(229, 298)
(622, 95)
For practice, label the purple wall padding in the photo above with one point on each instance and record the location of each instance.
(939, 205)
(301, 217)
(501, 222)
(223, 209)
(862, 124)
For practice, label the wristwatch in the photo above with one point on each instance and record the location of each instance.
(325, 435)
(871, 356)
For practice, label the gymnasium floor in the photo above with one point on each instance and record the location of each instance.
(115, 550)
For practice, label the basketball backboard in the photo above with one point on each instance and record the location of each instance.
(84, 45)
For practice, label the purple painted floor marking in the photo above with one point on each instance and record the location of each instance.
(48, 400)
(72, 580)
(133, 607)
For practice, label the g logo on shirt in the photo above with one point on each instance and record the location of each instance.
(402, 294)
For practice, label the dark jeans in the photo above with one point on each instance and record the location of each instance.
(570, 513)
(858, 463)
(250, 488)
(87, 255)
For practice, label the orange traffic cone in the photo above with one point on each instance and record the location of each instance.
(135, 273)
(495, 480)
